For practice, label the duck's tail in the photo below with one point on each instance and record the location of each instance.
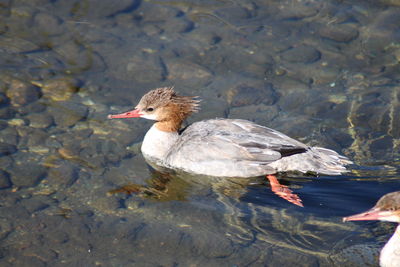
(328, 162)
(315, 160)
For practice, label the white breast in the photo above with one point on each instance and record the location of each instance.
(390, 254)
(156, 144)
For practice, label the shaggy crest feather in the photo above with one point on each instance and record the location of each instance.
(164, 96)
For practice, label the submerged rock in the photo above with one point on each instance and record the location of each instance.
(35, 107)
(21, 93)
(339, 33)
(187, 72)
(67, 114)
(390, 2)
(27, 174)
(143, 68)
(7, 149)
(48, 24)
(59, 89)
(6, 113)
(9, 136)
(301, 54)
(40, 120)
(297, 10)
(35, 203)
(248, 95)
(5, 181)
(64, 175)
(177, 25)
(3, 100)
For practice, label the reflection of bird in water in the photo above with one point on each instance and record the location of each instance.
(167, 185)
(225, 147)
(162, 186)
(386, 209)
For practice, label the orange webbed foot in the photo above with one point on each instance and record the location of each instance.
(283, 191)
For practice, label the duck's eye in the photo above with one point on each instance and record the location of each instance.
(149, 109)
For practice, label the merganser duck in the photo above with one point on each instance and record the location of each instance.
(225, 147)
(386, 209)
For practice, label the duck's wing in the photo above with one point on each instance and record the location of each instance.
(253, 136)
(235, 140)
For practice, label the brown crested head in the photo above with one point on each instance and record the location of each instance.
(165, 105)
(166, 95)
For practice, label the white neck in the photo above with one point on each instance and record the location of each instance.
(156, 143)
(390, 254)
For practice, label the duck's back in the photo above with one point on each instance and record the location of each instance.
(240, 148)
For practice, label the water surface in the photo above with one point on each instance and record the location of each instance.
(74, 188)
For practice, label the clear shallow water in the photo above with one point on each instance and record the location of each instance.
(323, 72)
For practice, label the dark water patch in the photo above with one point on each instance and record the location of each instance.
(5, 181)
(7, 149)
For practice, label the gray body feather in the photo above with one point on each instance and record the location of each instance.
(240, 148)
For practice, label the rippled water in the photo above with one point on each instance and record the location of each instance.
(74, 188)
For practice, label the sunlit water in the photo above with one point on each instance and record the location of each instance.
(74, 188)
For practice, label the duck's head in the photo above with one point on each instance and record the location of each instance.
(386, 209)
(163, 105)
